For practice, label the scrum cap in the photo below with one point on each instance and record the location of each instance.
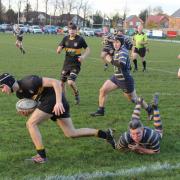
(7, 79)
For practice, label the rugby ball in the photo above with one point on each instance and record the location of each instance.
(178, 74)
(26, 104)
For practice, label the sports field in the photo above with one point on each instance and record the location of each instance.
(89, 158)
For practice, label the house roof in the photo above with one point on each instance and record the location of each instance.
(176, 13)
(156, 18)
(132, 16)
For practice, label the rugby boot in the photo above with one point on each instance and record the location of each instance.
(110, 138)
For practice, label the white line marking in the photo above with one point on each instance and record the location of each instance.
(119, 173)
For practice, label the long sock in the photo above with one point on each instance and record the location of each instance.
(102, 134)
(157, 121)
(137, 111)
(42, 152)
(135, 63)
(75, 90)
(144, 64)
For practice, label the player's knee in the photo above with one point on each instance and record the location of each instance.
(102, 91)
(30, 124)
(70, 134)
(133, 99)
(70, 82)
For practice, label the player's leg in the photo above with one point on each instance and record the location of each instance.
(134, 99)
(142, 55)
(35, 119)
(103, 57)
(63, 78)
(17, 43)
(106, 88)
(134, 56)
(71, 82)
(69, 130)
(21, 47)
(157, 119)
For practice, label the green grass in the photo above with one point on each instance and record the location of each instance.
(76, 156)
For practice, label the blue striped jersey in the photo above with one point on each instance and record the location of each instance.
(121, 63)
(150, 140)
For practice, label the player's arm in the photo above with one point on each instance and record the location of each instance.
(86, 50)
(178, 56)
(49, 82)
(59, 49)
(121, 62)
(122, 143)
(141, 150)
(84, 54)
(61, 45)
(144, 42)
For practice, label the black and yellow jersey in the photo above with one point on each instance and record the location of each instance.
(73, 46)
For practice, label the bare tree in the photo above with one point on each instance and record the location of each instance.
(19, 10)
(78, 8)
(27, 10)
(70, 7)
(86, 9)
(37, 5)
(157, 10)
(61, 7)
(1, 12)
(46, 8)
(55, 3)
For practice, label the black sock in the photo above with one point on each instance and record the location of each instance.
(135, 63)
(149, 109)
(144, 64)
(42, 153)
(102, 134)
(101, 109)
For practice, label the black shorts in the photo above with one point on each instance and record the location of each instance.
(70, 72)
(19, 38)
(126, 85)
(140, 51)
(47, 103)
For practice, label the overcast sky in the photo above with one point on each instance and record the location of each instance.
(112, 6)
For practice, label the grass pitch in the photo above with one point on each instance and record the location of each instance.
(69, 157)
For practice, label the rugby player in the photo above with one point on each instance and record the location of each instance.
(121, 79)
(107, 48)
(52, 104)
(139, 138)
(72, 44)
(19, 38)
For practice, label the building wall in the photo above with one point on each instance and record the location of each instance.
(174, 23)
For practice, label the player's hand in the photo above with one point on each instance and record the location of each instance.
(133, 147)
(58, 109)
(25, 112)
(81, 58)
(108, 58)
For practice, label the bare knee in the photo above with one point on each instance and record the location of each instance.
(102, 91)
(70, 134)
(30, 124)
(70, 83)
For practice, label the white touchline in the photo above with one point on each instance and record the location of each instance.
(122, 172)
